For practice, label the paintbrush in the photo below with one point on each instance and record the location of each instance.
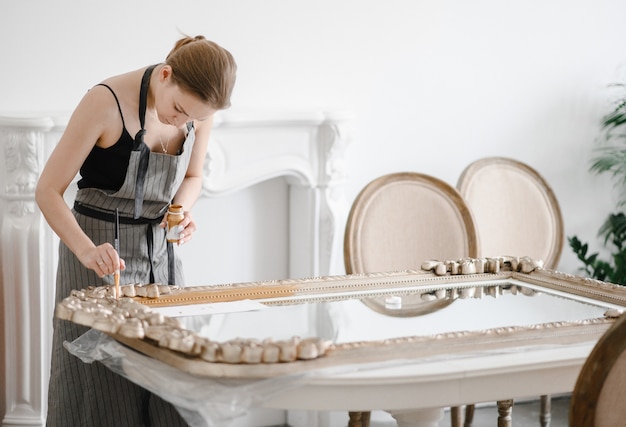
(117, 248)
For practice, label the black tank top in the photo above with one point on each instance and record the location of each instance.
(105, 168)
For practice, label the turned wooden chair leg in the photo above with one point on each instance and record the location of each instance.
(355, 419)
(456, 417)
(366, 419)
(505, 408)
(359, 419)
(545, 416)
(469, 415)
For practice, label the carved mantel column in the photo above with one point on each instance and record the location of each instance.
(333, 139)
(24, 247)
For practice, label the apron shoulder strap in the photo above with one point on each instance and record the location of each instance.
(144, 155)
(143, 104)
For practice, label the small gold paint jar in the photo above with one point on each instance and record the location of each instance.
(175, 216)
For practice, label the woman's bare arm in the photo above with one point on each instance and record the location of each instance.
(94, 121)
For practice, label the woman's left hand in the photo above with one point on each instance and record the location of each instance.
(188, 227)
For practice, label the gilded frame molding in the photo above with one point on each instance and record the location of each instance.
(332, 288)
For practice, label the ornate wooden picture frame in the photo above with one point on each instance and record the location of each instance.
(135, 319)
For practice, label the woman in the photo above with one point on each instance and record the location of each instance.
(169, 109)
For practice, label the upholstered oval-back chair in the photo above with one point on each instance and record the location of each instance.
(397, 222)
(515, 210)
(402, 219)
(516, 213)
(598, 397)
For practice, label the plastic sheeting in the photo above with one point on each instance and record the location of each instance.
(201, 401)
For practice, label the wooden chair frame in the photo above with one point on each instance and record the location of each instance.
(594, 374)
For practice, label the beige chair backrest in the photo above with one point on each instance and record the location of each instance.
(402, 219)
(515, 210)
(598, 397)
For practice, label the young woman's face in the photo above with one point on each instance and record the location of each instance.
(176, 107)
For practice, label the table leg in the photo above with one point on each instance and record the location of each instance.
(546, 411)
(418, 418)
(469, 415)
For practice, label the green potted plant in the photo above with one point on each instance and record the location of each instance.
(610, 158)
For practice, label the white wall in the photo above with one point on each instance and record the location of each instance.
(434, 84)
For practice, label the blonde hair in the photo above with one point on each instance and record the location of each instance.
(203, 68)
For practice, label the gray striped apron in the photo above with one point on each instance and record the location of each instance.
(82, 394)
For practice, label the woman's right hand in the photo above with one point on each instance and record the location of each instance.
(104, 260)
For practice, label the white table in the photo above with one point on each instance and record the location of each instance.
(414, 393)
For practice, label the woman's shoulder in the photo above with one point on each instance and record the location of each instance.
(127, 76)
(125, 83)
(125, 88)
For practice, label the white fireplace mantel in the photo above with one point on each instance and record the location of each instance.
(246, 148)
